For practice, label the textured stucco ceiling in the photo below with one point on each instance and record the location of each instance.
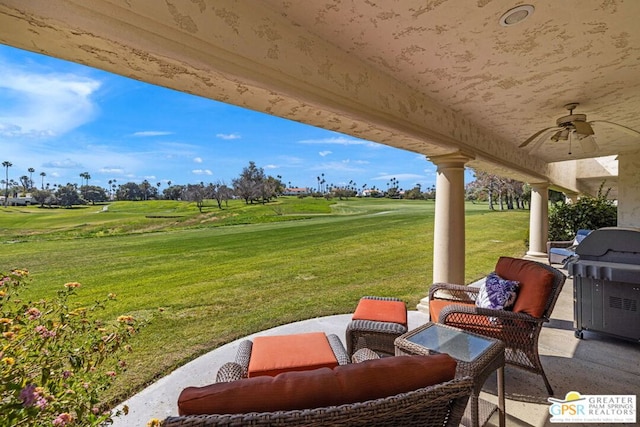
(513, 80)
(430, 76)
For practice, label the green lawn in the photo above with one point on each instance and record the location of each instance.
(208, 279)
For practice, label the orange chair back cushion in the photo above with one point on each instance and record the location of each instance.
(357, 382)
(536, 284)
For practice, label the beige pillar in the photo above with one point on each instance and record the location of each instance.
(539, 220)
(448, 232)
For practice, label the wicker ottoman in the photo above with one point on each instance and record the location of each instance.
(271, 355)
(376, 323)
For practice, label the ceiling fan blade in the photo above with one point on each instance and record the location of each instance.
(588, 144)
(624, 129)
(582, 128)
(535, 135)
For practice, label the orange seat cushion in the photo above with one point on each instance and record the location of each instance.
(436, 306)
(272, 355)
(536, 284)
(381, 311)
(356, 382)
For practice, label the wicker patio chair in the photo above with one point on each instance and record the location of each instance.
(373, 333)
(519, 331)
(559, 251)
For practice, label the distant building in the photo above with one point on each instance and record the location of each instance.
(17, 201)
(296, 191)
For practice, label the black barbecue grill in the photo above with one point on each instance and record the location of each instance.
(606, 283)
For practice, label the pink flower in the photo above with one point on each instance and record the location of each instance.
(63, 419)
(41, 403)
(44, 332)
(28, 395)
(33, 313)
(72, 285)
(111, 374)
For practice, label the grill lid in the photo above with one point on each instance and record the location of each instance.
(611, 253)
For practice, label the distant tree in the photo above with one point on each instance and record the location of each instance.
(221, 193)
(415, 193)
(173, 192)
(129, 191)
(93, 194)
(44, 197)
(6, 164)
(31, 171)
(145, 188)
(68, 196)
(24, 182)
(248, 185)
(86, 177)
(488, 183)
(198, 193)
(344, 192)
(270, 188)
(42, 174)
(393, 190)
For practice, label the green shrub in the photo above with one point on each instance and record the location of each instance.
(588, 213)
(55, 361)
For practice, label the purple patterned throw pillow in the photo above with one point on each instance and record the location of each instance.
(497, 293)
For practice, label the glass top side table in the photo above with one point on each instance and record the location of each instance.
(477, 357)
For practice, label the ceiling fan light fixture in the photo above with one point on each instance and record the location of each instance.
(516, 15)
(561, 135)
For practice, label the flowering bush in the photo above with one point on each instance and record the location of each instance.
(55, 361)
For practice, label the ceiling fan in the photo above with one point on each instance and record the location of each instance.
(576, 126)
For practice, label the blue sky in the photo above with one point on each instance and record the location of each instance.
(63, 119)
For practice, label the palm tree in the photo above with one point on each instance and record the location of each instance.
(87, 177)
(31, 171)
(6, 165)
(42, 174)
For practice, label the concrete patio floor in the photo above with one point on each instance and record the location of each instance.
(594, 365)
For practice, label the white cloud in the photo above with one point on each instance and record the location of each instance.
(324, 153)
(62, 164)
(202, 172)
(150, 177)
(341, 166)
(112, 170)
(228, 136)
(152, 133)
(399, 177)
(271, 167)
(291, 160)
(197, 159)
(44, 104)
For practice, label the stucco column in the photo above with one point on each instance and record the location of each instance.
(448, 233)
(539, 219)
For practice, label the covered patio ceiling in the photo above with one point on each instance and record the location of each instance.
(429, 76)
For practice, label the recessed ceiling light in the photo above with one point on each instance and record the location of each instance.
(516, 15)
